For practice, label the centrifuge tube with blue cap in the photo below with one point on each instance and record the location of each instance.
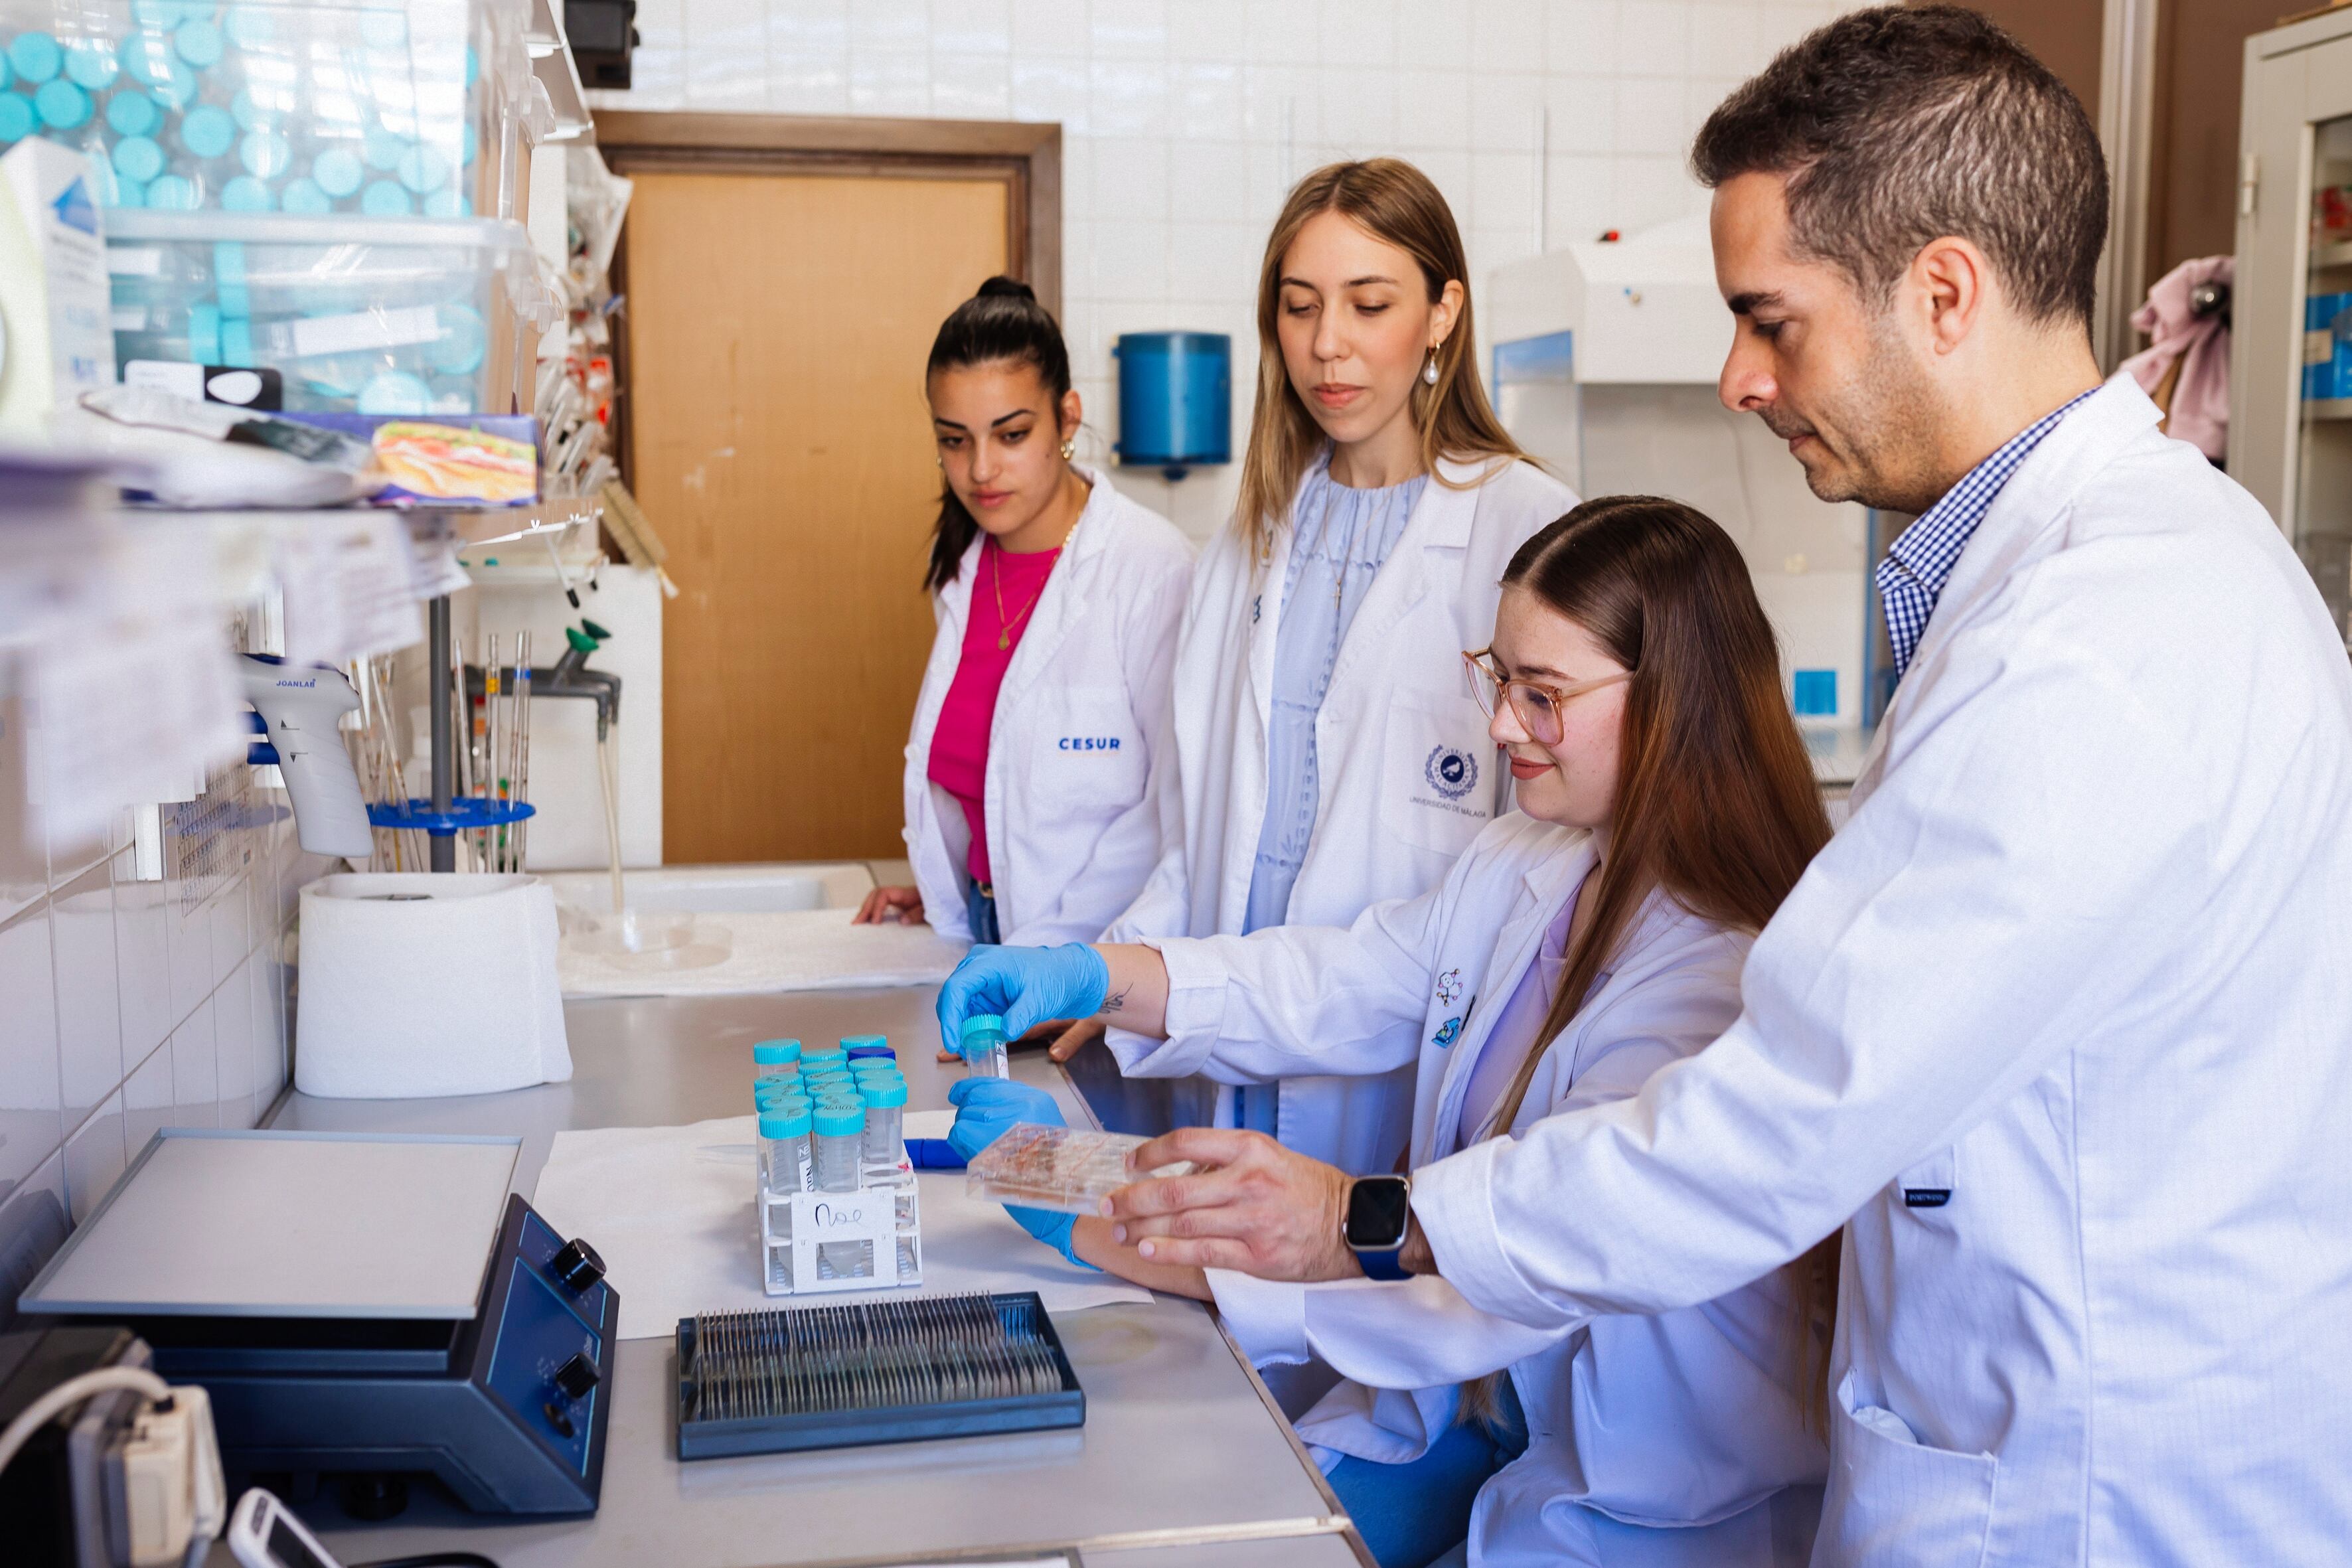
(983, 1047)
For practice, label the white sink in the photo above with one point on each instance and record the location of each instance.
(779, 888)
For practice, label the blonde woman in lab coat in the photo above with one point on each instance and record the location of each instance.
(1573, 952)
(1330, 757)
(1042, 731)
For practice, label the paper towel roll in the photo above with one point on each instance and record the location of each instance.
(413, 984)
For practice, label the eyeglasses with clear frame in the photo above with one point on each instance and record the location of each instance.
(1536, 705)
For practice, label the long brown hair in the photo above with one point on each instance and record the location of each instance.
(1396, 203)
(1715, 803)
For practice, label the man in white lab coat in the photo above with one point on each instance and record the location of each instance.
(2059, 1026)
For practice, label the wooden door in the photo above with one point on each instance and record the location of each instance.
(778, 324)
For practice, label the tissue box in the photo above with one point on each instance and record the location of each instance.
(416, 985)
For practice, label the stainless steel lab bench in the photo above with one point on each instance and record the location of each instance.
(1183, 1461)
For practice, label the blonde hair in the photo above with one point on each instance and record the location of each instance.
(1396, 203)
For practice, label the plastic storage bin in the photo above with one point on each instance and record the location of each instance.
(414, 316)
(375, 106)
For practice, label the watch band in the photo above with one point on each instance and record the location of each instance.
(1384, 1265)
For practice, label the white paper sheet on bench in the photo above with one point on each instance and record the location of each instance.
(670, 1208)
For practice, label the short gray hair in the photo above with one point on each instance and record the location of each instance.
(1901, 123)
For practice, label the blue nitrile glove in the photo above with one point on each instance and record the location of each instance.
(986, 1107)
(1026, 985)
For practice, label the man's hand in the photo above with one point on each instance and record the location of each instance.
(1261, 1210)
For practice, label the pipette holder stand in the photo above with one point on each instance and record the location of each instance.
(871, 1240)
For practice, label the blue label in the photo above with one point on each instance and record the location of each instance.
(1089, 743)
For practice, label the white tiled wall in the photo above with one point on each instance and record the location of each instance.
(127, 1005)
(1185, 122)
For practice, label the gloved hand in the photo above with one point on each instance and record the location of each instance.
(985, 1109)
(1026, 985)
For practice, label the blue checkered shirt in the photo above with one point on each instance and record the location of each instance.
(1912, 577)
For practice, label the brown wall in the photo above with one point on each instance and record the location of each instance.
(2064, 34)
(2200, 68)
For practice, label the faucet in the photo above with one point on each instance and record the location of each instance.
(567, 676)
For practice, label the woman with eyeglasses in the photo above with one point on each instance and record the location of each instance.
(1585, 942)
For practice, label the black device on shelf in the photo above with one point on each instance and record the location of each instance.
(602, 35)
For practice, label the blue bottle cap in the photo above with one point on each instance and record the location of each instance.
(249, 112)
(147, 58)
(138, 158)
(835, 1094)
(840, 1118)
(382, 149)
(132, 113)
(63, 105)
(92, 62)
(852, 1044)
(16, 116)
(337, 172)
(449, 202)
(177, 87)
(35, 57)
(173, 194)
(860, 1066)
(383, 198)
(159, 16)
(250, 27)
(883, 1093)
(206, 131)
(303, 196)
(464, 342)
(776, 1051)
(777, 1079)
(787, 1123)
(266, 153)
(817, 1049)
(204, 320)
(980, 1024)
(198, 42)
(421, 170)
(236, 339)
(395, 392)
(244, 194)
(125, 192)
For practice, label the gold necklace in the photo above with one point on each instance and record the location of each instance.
(996, 580)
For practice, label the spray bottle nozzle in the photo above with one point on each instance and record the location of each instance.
(582, 643)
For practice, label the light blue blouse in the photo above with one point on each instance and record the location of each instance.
(1341, 537)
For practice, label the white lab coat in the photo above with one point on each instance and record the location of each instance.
(2061, 1018)
(1080, 744)
(1389, 824)
(1689, 1419)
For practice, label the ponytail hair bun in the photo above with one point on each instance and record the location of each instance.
(1004, 287)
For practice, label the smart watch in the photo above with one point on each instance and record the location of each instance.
(1378, 1210)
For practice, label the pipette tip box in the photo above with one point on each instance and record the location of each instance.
(871, 1372)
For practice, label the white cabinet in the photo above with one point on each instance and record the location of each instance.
(2291, 370)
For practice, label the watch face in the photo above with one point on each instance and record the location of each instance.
(1376, 1206)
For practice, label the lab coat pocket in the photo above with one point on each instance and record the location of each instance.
(1088, 749)
(1893, 1500)
(1437, 771)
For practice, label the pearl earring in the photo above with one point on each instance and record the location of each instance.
(1429, 371)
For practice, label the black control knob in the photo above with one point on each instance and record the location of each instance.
(576, 1376)
(577, 1265)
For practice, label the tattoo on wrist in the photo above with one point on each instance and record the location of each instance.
(1113, 1004)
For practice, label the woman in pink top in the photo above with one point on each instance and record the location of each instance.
(1041, 732)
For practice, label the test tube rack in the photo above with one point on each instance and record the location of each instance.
(818, 1243)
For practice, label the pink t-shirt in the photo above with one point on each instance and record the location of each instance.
(959, 761)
